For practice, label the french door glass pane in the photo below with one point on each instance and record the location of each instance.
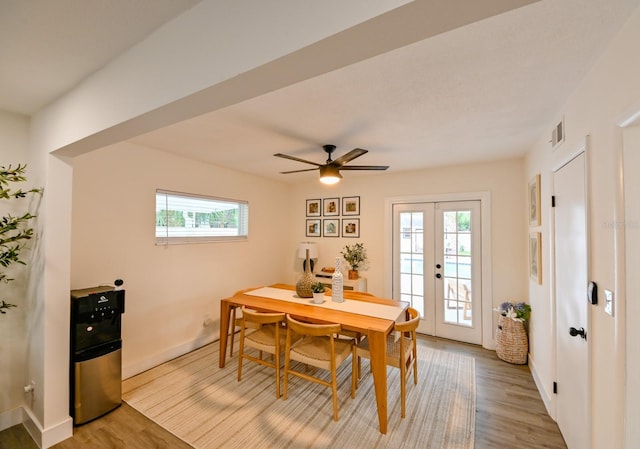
(412, 259)
(457, 267)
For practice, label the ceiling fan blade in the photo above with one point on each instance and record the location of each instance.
(297, 171)
(364, 167)
(351, 155)
(286, 156)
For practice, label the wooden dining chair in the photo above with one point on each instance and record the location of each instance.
(318, 347)
(234, 320)
(268, 335)
(401, 353)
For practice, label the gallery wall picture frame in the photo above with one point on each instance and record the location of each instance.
(350, 205)
(331, 207)
(314, 208)
(313, 227)
(351, 227)
(535, 257)
(331, 227)
(534, 201)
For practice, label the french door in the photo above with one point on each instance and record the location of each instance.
(436, 266)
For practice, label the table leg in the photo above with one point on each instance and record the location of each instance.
(225, 311)
(378, 349)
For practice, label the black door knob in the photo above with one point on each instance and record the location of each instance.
(575, 332)
(438, 275)
(438, 266)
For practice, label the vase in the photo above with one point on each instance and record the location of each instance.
(353, 275)
(303, 287)
(337, 283)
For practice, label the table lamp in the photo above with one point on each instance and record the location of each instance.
(313, 254)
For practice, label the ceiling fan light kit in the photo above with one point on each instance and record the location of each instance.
(330, 171)
(329, 175)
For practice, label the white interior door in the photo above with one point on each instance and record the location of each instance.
(436, 266)
(571, 271)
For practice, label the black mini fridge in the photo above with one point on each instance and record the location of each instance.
(95, 372)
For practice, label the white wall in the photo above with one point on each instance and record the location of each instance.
(169, 289)
(13, 332)
(504, 180)
(608, 94)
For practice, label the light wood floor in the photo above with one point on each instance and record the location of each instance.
(509, 414)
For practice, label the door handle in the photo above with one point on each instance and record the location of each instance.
(575, 332)
(438, 275)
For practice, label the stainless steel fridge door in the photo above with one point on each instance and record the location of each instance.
(98, 386)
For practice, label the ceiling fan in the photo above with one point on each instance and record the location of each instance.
(330, 171)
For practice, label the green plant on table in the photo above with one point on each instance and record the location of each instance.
(355, 255)
(317, 287)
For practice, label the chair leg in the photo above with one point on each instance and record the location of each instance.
(232, 323)
(286, 374)
(277, 364)
(240, 355)
(354, 374)
(334, 391)
(403, 388)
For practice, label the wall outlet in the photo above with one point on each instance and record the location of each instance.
(608, 302)
(30, 388)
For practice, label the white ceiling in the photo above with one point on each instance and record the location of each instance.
(482, 92)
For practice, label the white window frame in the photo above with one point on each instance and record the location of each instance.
(195, 208)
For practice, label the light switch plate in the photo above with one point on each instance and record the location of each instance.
(608, 302)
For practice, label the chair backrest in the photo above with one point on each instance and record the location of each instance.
(411, 324)
(312, 330)
(261, 317)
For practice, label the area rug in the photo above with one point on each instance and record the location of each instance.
(208, 408)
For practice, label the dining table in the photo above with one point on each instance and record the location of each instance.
(369, 315)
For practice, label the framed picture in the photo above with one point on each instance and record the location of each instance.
(331, 227)
(535, 257)
(313, 208)
(313, 228)
(331, 206)
(534, 201)
(351, 205)
(351, 227)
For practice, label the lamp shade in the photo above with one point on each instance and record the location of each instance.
(312, 247)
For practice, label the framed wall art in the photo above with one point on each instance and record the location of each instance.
(534, 201)
(351, 227)
(351, 205)
(535, 257)
(313, 228)
(331, 227)
(314, 208)
(331, 207)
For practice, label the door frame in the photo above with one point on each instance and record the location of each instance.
(484, 197)
(553, 399)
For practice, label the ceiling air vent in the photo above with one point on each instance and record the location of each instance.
(557, 135)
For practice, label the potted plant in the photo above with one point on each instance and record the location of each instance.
(356, 256)
(13, 231)
(512, 343)
(318, 290)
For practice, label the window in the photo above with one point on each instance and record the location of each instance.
(187, 218)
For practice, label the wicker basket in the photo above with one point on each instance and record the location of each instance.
(512, 344)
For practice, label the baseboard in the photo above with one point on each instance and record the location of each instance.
(51, 436)
(141, 365)
(43, 438)
(548, 397)
(10, 418)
